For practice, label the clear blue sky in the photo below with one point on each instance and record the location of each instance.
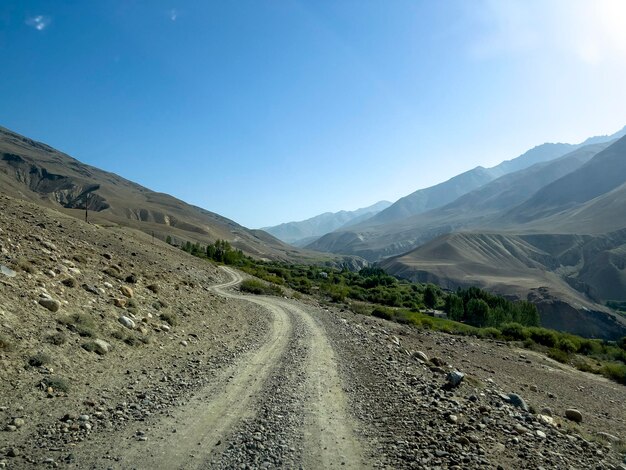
(277, 110)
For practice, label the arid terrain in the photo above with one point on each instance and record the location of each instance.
(123, 352)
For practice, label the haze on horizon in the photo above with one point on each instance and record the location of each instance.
(267, 112)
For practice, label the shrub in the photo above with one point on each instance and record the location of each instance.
(56, 339)
(489, 333)
(590, 347)
(39, 359)
(382, 312)
(615, 371)
(118, 334)
(543, 336)
(5, 343)
(57, 383)
(80, 323)
(255, 286)
(170, 318)
(566, 345)
(559, 355)
(514, 331)
(360, 308)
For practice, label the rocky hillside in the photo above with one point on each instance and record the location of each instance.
(568, 277)
(120, 352)
(35, 171)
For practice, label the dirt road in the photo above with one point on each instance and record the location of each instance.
(321, 435)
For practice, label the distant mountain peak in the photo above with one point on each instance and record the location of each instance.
(305, 231)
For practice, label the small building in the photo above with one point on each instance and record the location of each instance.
(436, 313)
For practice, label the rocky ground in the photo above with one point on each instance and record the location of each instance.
(118, 351)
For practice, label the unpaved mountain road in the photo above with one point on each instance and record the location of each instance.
(211, 378)
(323, 436)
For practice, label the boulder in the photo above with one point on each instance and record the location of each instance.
(102, 347)
(127, 291)
(516, 400)
(574, 415)
(51, 304)
(127, 322)
(420, 356)
(454, 379)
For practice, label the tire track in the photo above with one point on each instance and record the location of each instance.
(329, 440)
(208, 418)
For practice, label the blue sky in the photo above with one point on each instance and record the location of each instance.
(278, 110)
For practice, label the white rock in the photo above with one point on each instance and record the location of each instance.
(421, 356)
(127, 322)
(103, 346)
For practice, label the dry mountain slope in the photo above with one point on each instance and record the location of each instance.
(392, 225)
(478, 208)
(37, 172)
(567, 196)
(569, 256)
(560, 273)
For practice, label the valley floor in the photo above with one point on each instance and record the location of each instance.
(242, 381)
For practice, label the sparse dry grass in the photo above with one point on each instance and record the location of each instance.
(80, 323)
(5, 343)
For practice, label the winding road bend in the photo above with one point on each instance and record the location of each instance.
(207, 426)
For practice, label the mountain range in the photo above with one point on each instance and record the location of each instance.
(550, 229)
(307, 231)
(547, 226)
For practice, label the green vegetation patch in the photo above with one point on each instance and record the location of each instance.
(57, 383)
(471, 311)
(255, 286)
(81, 323)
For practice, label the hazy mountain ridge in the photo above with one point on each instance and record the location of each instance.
(309, 229)
(399, 227)
(474, 209)
(441, 194)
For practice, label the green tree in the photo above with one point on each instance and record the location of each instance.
(477, 312)
(528, 313)
(454, 307)
(430, 296)
(168, 240)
